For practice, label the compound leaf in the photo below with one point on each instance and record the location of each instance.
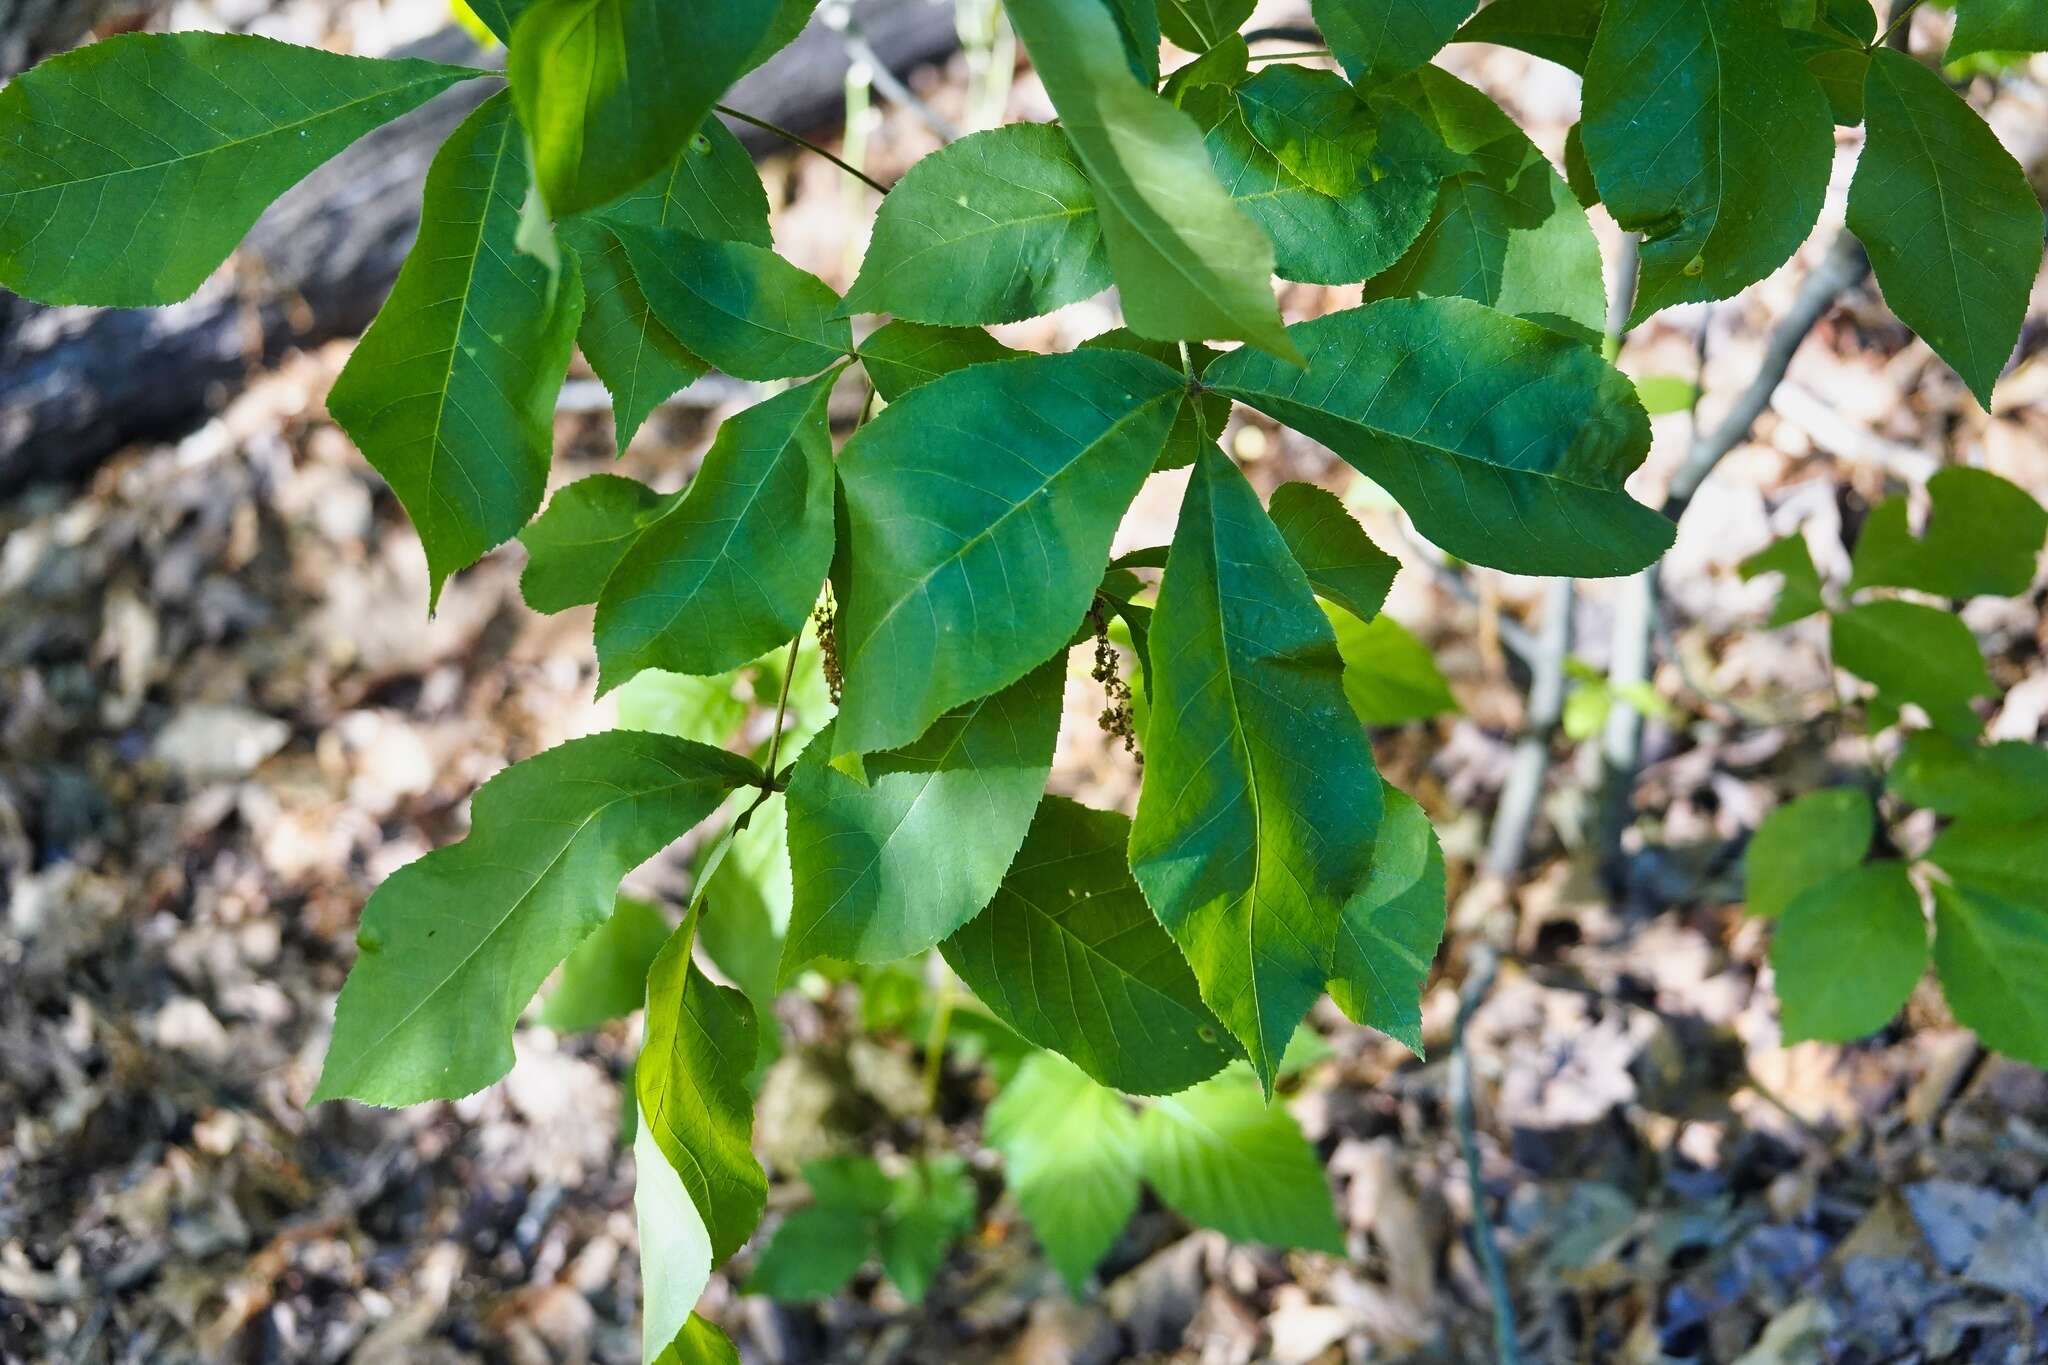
(740, 306)
(1996, 783)
(1799, 597)
(1983, 536)
(1992, 956)
(1847, 953)
(1378, 39)
(1340, 560)
(1070, 1159)
(606, 977)
(902, 355)
(1805, 842)
(1913, 653)
(1200, 418)
(1392, 926)
(586, 530)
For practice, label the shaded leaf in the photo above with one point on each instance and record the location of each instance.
(1799, 597)
(1560, 30)
(740, 306)
(1390, 677)
(1847, 953)
(1912, 653)
(1376, 39)
(812, 1254)
(1998, 26)
(930, 1206)
(1983, 536)
(1340, 560)
(1992, 956)
(1070, 1160)
(902, 355)
(2004, 782)
(1199, 25)
(2006, 859)
(606, 977)
(586, 530)
(1805, 842)
(1392, 927)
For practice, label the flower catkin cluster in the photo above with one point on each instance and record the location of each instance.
(827, 621)
(1117, 719)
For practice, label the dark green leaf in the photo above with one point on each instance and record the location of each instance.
(455, 945)
(1578, 176)
(1992, 957)
(740, 306)
(131, 167)
(1070, 1159)
(1998, 26)
(1506, 442)
(1340, 560)
(1800, 596)
(903, 355)
(451, 393)
(1997, 783)
(1199, 25)
(1983, 536)
(887, 868)
(979, 510)
(1227, 63)
(1560, 30)
(931, 1205)
(587, 529)
(1840, 66)
(790, 18)
(733, 568)
(1137, 28)
(1200, 419)
(1070, 956)
(1256, 820)
(1378, 39)
(1805, 842)
(1390, 678)
(1707, 136)
(813, 1253)
(1392, 927)
(606, 977)
(1953, 229)
(1912, 653)
(1847, 953)
(2008, 860)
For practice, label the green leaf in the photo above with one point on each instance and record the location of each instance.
(1392, 927)
(887, 868)
(1998, 783)
(902, 355)
(979, 511)
(931, 1205)
(1506, 231)
(1070, 1159)
(606, 977)
(1842, 68)
(610, 91)
(451, 393)
(1578, 175)
(1992, 956)
(750, 896)
(1708, 136)
(691, 1085)
(790, 18)
(706, 710)
(1282, 139)
(734, 566)
(1847, 953)
(1199, 25)
(997, 227)
(1379, 39)
(1390, 677)
(453, 946)
(134, 165)
(812, 1254)
(699, 1343)
(1260, 801)
(1188, 263)
(587, 529)
(1983, 536)
(1506, 442)
(499, 15)
(1227, 63)
(1224, 1158)
(1804, 843)
(1561, 31)
(2008, 860)
(1340, 560)
(1666, 393)
(740, 306)
(1200, 418)
(1998, 26)
(1070, 956)
(1912, 653)
(1953, 228)
(675, 1250)
(1799, 597)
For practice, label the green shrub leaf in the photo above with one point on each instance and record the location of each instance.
(1708, 136)
(813, 1253)
(2009, 860)
(134, 165)
(1998, 26)
(1070, 1160)
(1561, 31)
(451, 393)
(980, 510)
(1992, 956)
(740, 306)
(1805, 842)
(930, 1206)
(1392, 926)
(1070, 956)
(1199, 25)
(453, 946)
(733, 567)
(586, 530)
(1799, 597)
(1983, 536)
(1340, 560)
(675, 1251)
(1953, 228)
(1260, 801)
(1847, 953)
(699, 1343)
(499, 15)
(997, 227)
(1224, 1158)
(1376, 39)
(606, 977)
(888, 867)
(902, 355)
(1997, 783)
(1912, 653)
(1506, 442)
(1200, 418)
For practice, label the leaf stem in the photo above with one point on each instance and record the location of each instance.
(800, 140)
(1905, 12)
(1291, 56)
(782, 706)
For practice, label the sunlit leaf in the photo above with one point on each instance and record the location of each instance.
(1847, 953)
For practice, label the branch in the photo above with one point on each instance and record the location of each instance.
(1515, 816)
(1485, 965)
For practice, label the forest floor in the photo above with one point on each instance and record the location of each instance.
(225, 715)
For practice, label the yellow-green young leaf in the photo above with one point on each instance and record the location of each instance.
(733, 568)
(888, 867)
(707, 710)
(1805, 842)
(1506, 231)
(1189, 264)
(1992, 957)
(1201, 417)
(1983, 535)
(739, 306)
(1223, 1157)
(1953, 230)
(1708, 136)
(1912, 653)
(1340, 560)
(979, 511)
(996, 227)
(1392, 927)
(131, 167)
(675, 1251)
(1847, 952)
(606, 977)
(699, 1343)
(1260, 801)
(1506, 442)
(1998, 26)
(1666, 393)
(451, 393)
(1559, 30)
(1339, 185)
(1070, 1160)
(1390, 677)
(453, 946)
(2008, 860)
(901, 355)
(586, 530)
(1799, 597)
(611, 90)
(1199, 25)
(2000, 783)
(1070, 956)
(691, 1083)
(1379, 39)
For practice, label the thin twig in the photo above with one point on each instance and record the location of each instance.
(782, 702)
(1292, 56)
(1285, 33)
(1483, 967)
(1515, 816)
(800, 140)
(893, 88)
(1899, 18)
